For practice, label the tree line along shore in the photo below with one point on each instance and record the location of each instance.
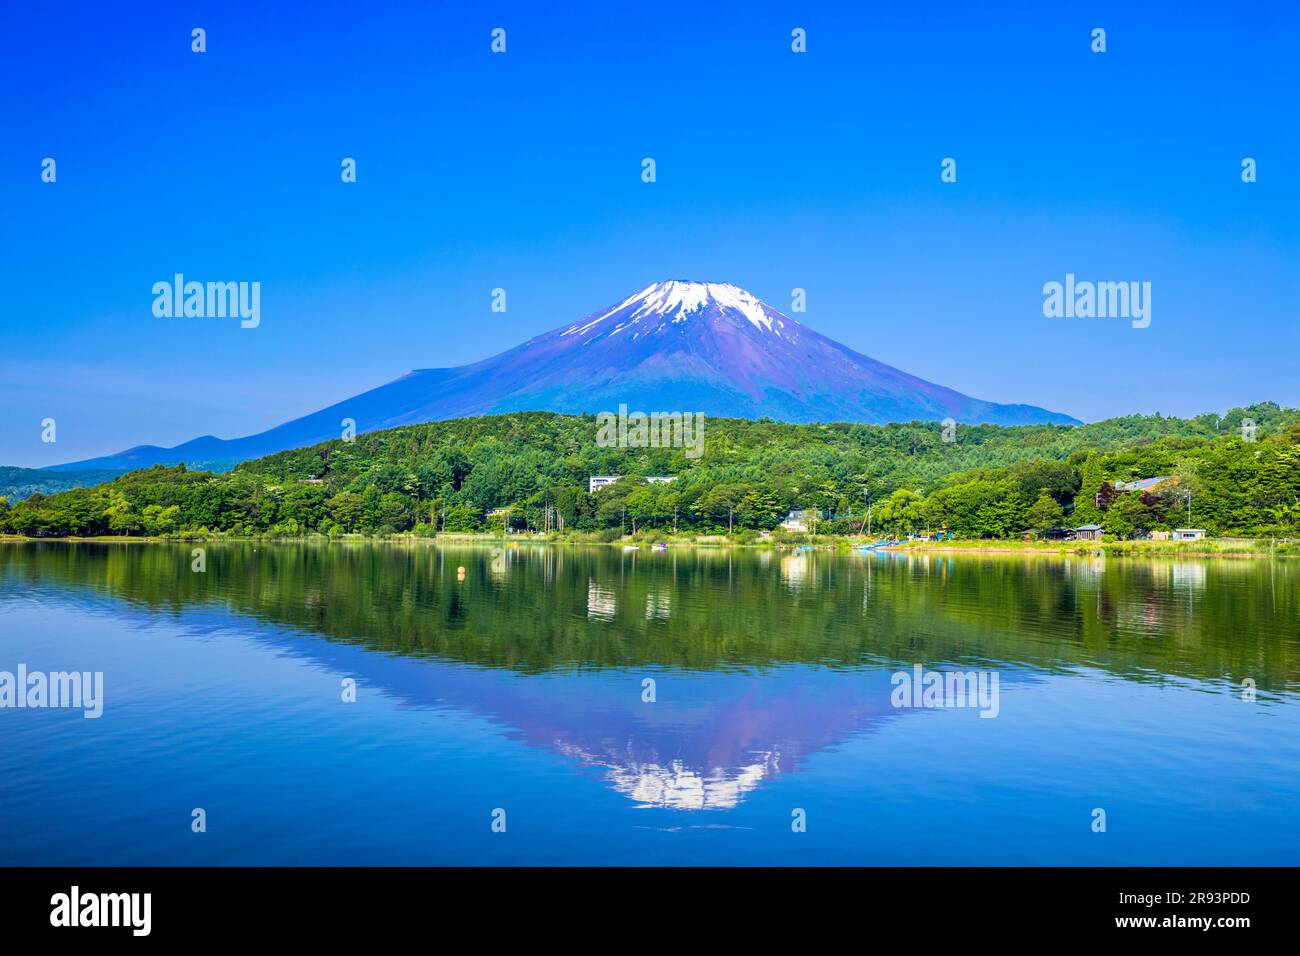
(1234, 476)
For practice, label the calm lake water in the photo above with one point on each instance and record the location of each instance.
(520, 687)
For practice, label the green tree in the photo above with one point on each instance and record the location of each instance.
(1128, 515)
(121, 518)
(1044, 514)
(462, 518)
(901, 511)
(347, 508)
(1085, 503)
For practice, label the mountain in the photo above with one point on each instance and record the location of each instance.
(673, 346)
(19, 483)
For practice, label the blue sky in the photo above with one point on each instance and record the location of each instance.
(522, 171)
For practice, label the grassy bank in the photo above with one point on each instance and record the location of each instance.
(1210, 547)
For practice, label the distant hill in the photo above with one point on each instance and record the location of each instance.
(19, 483)
(684, 346)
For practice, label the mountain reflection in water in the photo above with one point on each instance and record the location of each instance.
(761, 662)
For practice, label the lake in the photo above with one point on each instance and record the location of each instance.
(573, 705)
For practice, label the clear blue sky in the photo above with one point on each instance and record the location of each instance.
(522, 170)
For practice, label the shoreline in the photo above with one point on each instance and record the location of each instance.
(1209, 548)
(1098, 552)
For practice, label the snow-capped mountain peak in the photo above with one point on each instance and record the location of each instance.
(697, 346)
(680, 299)
(677, 300)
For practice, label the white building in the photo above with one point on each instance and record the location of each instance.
(1189, 534)
(596, 482)
(799, 521)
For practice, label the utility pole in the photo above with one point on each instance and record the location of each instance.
(1189, 509)
(866, 497)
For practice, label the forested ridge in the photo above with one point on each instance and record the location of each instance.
(18, 483)
(530, 471)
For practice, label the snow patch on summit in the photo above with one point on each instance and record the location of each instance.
(680, 300)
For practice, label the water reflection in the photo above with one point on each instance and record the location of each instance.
(761, 661)
(551, 608)
(601, 603)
